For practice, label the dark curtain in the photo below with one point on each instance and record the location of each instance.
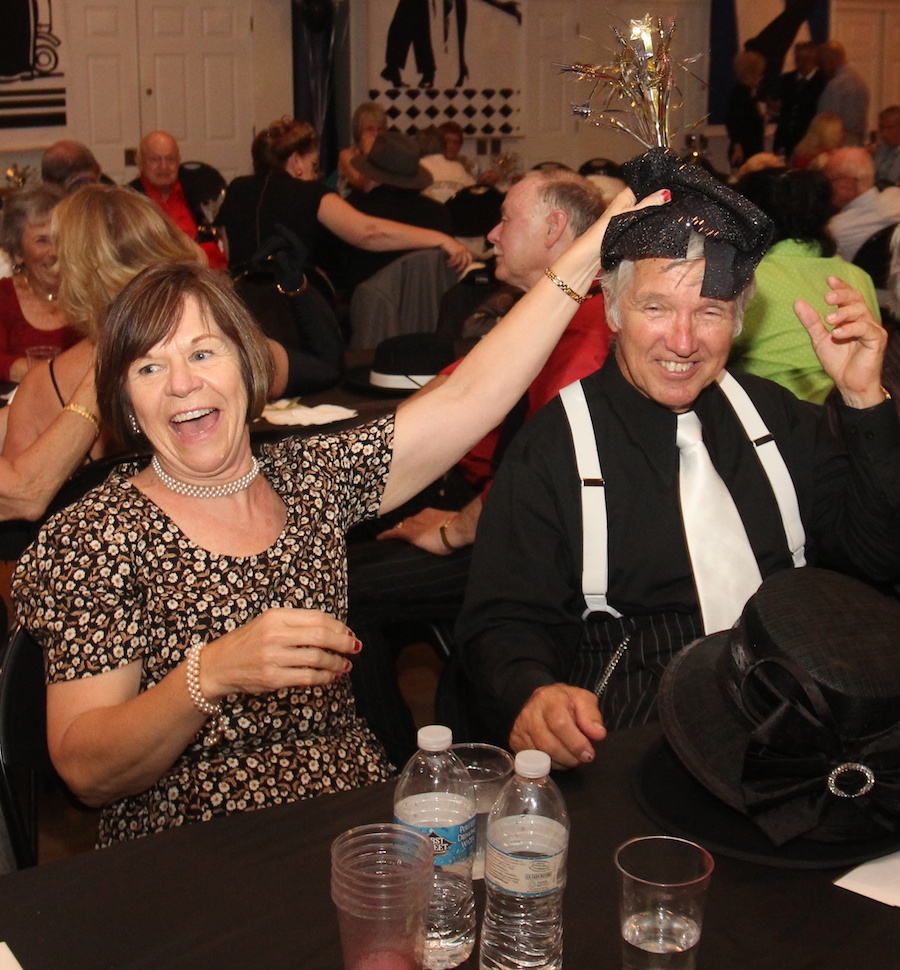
(17, 29)
(774, 42)
(312, 23)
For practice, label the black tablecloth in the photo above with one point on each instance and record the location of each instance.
(252, 891)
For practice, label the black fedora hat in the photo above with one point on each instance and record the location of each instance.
(403, 364)
(735, 233)
(393, 159)
(791, 720)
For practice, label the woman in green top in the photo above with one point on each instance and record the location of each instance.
(772, 343)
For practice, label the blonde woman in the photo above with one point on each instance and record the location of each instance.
(824, 135)
(104, 237)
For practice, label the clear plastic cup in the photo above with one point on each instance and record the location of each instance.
(37, 355)
(490, 768)
(381, 880)
(663, 883)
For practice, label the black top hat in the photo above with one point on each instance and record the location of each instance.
(475, 210)
(394, 160)
(736, 233)
(792, 719)
(403, 364)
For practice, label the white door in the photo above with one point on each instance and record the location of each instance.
(551, 40)
(103, 102)
(195, 78)
(184, 66)
(871, 34)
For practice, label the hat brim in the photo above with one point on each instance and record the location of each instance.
(421, 180)
(691, 786)
(669, 795)
(359, 378)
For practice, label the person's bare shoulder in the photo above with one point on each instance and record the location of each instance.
(36, 404)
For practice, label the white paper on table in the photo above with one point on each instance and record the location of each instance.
(290, 412)
(7, 960)
(878, 879)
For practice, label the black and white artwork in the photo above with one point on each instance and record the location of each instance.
(436, 60)
(32, 88)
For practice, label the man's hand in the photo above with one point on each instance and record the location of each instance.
(852, 353)
(422, 530)
(564, 721)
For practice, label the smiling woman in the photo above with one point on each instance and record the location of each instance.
(30, 314)
(222, 584)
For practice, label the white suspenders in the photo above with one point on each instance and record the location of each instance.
(595, 532)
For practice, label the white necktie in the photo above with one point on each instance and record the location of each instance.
(725, 570)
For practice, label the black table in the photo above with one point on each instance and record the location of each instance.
(253, 891)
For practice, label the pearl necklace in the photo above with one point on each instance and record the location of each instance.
(205, 491)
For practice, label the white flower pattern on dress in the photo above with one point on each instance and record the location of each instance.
(111, 580)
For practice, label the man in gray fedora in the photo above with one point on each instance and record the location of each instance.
(394, 181)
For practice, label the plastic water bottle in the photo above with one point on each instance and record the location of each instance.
(435, 795)
(525, 871)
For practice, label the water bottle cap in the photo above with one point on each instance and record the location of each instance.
(434, 737)
(532, 764)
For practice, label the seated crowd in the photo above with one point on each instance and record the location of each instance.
(243, 585)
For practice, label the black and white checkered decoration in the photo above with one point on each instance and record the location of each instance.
(482, 112)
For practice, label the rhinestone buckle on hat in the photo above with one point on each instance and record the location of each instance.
(867, 782)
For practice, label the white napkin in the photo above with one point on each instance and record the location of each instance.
(878, 879)
(7, 960)
(288, 411)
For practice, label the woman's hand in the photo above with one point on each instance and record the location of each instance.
(281, 647)
(458, 256)
(579, 265)
(18, 369)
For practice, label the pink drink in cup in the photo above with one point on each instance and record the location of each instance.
(381, 880)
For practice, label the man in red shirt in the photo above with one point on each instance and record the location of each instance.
(422, 571)
(159, 159)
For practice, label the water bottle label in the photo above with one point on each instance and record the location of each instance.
(526, 855)
(453, 841)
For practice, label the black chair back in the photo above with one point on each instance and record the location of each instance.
(24, 758)
(874, 256)
(16, 535)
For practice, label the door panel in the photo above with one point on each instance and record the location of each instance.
(196, 78)
(102, 80)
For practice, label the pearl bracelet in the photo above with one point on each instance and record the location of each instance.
(203, 704)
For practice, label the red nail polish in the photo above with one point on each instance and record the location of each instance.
(347, 666)
(357, 646)
(667, 195)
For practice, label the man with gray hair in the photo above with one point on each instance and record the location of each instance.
(860, 209)
(887, 151)
(420, 572)
(845, 91)
(642, 508)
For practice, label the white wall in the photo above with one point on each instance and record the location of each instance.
(272, 94)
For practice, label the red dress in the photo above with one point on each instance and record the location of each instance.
(17, 334)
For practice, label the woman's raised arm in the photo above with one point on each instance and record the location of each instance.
(433, 431)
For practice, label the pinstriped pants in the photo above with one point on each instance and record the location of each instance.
(628, 696)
